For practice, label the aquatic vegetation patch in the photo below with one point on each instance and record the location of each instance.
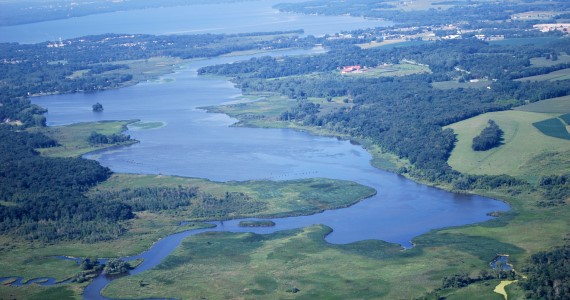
(146, 125)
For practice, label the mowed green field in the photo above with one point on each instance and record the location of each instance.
(543, 62)
(526, 153)
(552, 76)
(401, 69)
(560, 105)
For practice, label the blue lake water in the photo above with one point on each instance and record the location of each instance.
(248, 16)
(195, 143)
(199, 144)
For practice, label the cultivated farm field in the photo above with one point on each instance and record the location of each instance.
(526, 152)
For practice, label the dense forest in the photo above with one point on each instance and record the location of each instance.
(98, 138)
(548, 275)
(43, 198)
(197, 204)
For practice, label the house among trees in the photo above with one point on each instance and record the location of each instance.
(350, 69)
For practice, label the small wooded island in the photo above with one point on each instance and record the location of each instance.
(97, 107)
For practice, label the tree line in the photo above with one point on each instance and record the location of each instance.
(466, 11)
(490, 137)
(29, 69)
(96, 138)
(46, 195)
(548, 274)
(404, 115)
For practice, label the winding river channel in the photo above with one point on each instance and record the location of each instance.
(194, 143)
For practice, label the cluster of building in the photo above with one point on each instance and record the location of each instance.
(351, 69)
(564, 27)
(450, 31)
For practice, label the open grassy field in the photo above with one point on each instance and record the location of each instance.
(36, 292)
(552, 76)
(526, 153)
(560, 105)
(149, 69)
(141, 69)
(73, 138)
(525, 41)
(146, 125)
(543, 62)
(375, 44)
(447, 85)
(426, 4)
(476, 291)
(401, 69)
(263, 110)
(255, 108)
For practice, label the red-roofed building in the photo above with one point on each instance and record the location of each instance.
(349, 69)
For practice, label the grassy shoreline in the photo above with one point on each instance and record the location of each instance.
(73, 138)
(524, 230)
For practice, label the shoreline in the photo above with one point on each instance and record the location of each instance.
(317, 133)
(367, 145)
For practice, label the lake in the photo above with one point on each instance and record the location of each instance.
(195, 143)
(249, 16)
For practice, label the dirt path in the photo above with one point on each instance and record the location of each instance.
(500, 289)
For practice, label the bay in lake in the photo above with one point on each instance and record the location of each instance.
(195, 143)
(240, 17)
